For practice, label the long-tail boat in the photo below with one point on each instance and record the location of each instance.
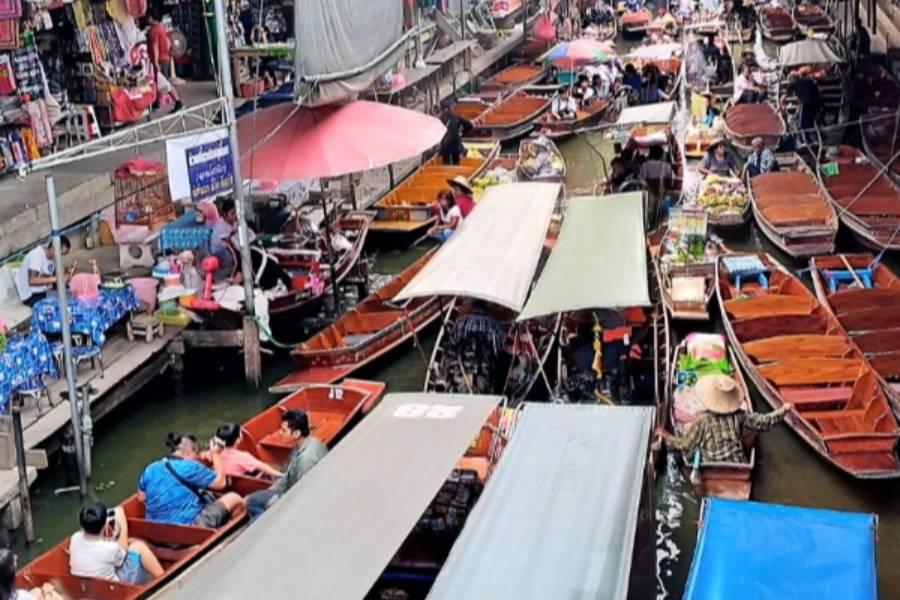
(743, 122)
(404, 214)
(514, 76)
(810, 16)
(721, 479)
(373, 328)
(331, 410)
(585, 116)
(792, 210)
(776, 23)
(866, 200)
(794, 350)
(864, 295)
(509, 117)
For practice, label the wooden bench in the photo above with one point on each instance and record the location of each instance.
(812, 371)
(803, 399)
(761, 306)
(784, 347)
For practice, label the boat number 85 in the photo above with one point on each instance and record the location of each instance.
(427, 411)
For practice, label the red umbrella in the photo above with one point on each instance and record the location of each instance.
(332, 140)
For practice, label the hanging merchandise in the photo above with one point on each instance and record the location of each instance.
(10, 9)
(82, 11)
(7, 77)
(116, 9)
(28, 72)
(9, 34)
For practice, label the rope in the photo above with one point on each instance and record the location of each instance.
(272, 339)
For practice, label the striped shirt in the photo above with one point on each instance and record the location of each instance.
(720, 437)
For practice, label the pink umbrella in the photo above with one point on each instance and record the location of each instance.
(332, 140)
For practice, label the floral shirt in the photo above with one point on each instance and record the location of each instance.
(720, 437)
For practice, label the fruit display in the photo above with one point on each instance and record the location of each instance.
(721, 195)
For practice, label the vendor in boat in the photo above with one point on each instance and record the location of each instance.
(761, 159)
(748, 89)
(462, 194)
(718, 161)
(719, 431)
(804, 88)
(238, 462)
(308, 451)
(451, 147)
(103, 550)
(449, 217)
(564, 106)
(173, 489)
(583, 92)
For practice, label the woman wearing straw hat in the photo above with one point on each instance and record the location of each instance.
(719, 431)
(718, 161)
(462, 194)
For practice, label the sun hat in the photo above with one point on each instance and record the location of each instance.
(719, 394)
(462, 182)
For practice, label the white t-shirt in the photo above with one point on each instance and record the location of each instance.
(23, 595)
(454, 213)
(37, 261)
(741, 84)
(93, 557)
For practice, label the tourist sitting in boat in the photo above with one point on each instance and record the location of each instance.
(747, 88)
(695, 64)
(633, 79)
(451, 147)
(618, 174)
(449, 216)
(583, 92)
(307, 452)
(761, 159)
(462, 194)
(9, 589)
(103, 550)
(564, 106)
(652, 85)
(719, 431)
(718, 161)
(238, 462)
(175, 489)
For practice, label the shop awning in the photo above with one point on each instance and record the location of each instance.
(332, 534)
(558, 517)
(599, 261)
(646, 114)
(807, 52)
(494, 253)
(750, 550)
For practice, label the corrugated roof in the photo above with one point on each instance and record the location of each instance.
(334, 532)
(752, 550)
(558, 517)
(599, 260)
(493, 254)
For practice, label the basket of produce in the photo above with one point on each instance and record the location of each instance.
(725, 200)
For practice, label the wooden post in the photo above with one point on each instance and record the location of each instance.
(24, 493)
(252, 356)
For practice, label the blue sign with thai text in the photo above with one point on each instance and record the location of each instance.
(210, 171)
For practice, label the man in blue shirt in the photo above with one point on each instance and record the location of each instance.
(172, 488)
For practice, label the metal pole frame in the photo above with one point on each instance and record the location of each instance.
(66, 335)
(21, 465)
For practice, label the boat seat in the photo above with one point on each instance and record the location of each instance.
(276, 442)
(804, 399)
(761, 306)
(851, 299)
(356, 339)
(783, 347)
(834, 278)
(871, 319)
(812, 371)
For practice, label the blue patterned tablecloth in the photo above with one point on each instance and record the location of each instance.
(26, 359)
(88, 318)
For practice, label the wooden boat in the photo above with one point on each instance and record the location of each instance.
(720, 81)
(740, 27)
(876, 94)
(506, 13)
(514, 76)
(529, 151)
(776, 23)
(586, 116)
(792, 210)
(864, 295)
(510, 117)
(874, 216)
(743, 122)
(404, 214)
(833, 88)
(794, 350)
(720, 479)
(812, 16)
(331, 410)
(634, 23)
(372, 329)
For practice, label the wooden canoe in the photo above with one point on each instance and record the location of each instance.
(874, 216)
(331, 410)
(792, 210)
(525, 170)
(586, 116)
(794, 350)
(868, 307)
(776, 23)
(635, 23)
(510, 117)
(743, 122)
(405, 211)
(811, 16)
(514, 76)
(372, 329)
(719, 479)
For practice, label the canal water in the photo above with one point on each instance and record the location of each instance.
(211, 391)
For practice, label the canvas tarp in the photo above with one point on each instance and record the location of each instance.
(334, 532)
(752, 550)
(807, 52)
(558, 517)
(494, 253)
(599, 261)
(649, 114)
(343, 45)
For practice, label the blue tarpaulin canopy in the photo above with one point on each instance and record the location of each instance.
(752, 550)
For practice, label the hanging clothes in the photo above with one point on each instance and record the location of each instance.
(10, 9)
(7, 76)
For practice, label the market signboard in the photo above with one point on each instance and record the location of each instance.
(210, 171)
(688, 221)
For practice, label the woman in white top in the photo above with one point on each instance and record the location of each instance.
(449, 216)
(8, 589)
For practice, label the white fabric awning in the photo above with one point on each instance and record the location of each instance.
(494, 253)
(656, 51)
(807, 52)
(661, 112)
(599, 261)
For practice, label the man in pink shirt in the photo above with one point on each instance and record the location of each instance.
(462, 194)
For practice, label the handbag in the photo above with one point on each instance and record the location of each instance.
(203, 495)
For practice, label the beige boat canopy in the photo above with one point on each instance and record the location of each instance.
(599, 261)
(646, 114)
(807, 52)
(494, 253)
